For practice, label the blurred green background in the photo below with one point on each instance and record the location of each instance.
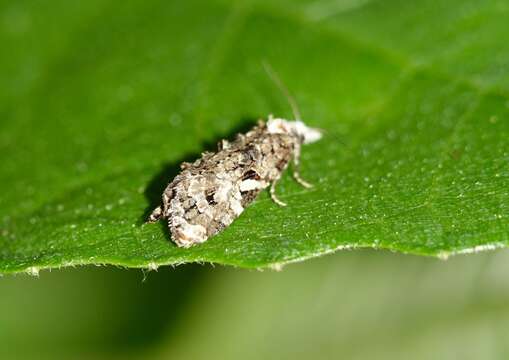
(350, 305)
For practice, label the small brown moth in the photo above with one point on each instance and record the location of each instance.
(209, 194)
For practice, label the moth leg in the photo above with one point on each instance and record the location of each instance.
(273, 193)
(156, 215)
(296, 168)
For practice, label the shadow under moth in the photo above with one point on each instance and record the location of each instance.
(210, 193)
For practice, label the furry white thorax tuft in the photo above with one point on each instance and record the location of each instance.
(282, 126)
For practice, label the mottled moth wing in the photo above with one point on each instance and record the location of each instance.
(214, 190)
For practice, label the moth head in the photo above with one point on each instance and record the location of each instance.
(297, 128)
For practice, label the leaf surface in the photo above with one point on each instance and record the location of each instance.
(100, 105)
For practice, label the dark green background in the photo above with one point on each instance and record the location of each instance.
(355, 305)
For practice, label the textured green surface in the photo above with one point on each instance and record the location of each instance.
(99, 105)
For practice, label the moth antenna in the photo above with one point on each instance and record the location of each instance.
(281, 86)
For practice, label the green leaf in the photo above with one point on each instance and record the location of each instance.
(100, 103)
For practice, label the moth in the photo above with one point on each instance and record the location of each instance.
(210, 193)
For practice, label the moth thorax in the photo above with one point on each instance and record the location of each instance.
(295, 128)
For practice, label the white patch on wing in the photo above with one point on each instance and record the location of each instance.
(236, 206)
(190, 234)
(251, 184)
(222, 192)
